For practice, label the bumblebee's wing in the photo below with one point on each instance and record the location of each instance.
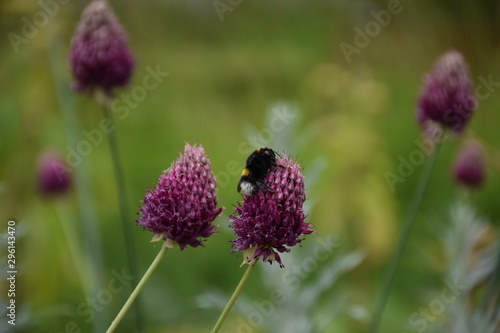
(263, 186)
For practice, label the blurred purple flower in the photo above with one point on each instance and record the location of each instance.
(269, 222)
(182, 207)
(100, 56)
(469, 168)
(447, 97)
(53, 175)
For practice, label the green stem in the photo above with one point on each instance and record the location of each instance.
(407, 226)
(137, 289)
(57, 53)
(123, 204)
(492, 296)
(68, 227)
(233, 298)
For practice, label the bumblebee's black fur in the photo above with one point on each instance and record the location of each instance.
(258, 165)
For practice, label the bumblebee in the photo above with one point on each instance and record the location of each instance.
(258, 165)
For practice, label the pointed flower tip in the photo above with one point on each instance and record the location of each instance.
(271, 222)
(469, 168)
(447, 97)
(100, 56)
(183, 205)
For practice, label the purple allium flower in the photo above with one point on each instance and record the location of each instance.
(182, 207)
(269, 222)
(469, 168)
(100, 56)
(447, 97)
(53, 175)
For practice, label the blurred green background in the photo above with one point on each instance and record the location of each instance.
(354, 118)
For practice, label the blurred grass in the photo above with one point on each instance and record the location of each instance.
(223, 78)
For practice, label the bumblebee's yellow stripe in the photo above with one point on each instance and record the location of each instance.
(258, 150)
(245, 172)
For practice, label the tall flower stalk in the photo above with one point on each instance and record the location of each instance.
(54, 182)
(234, 296)
(269, 222)
(179, 211)
(121, 190)
(81, 174)
(403, 238)
(137, 289)
(101, 61)
(447, 101)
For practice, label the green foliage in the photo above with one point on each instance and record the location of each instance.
(354, 121)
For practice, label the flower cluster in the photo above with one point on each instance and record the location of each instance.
(100, 56)
(447, 101)
(447, 97)
(53, 177)
(469, 168)
(183, 205)
(269, 222)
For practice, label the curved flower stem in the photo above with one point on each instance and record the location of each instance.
(137, 289)
(405, 232)
(123, 203)
(231, 301)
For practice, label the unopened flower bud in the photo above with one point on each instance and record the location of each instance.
(100, 56)
(447, 97)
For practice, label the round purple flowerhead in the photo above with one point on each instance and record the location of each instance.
(53, 175)
(447, 97)
(100, 56)
(270, 222)
(469, 168)
(183, 205)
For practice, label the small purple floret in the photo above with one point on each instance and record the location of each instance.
(183, 205)
(271, 222)
(447, 97)
(100, 56)
(53, 175)
(469, 168)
